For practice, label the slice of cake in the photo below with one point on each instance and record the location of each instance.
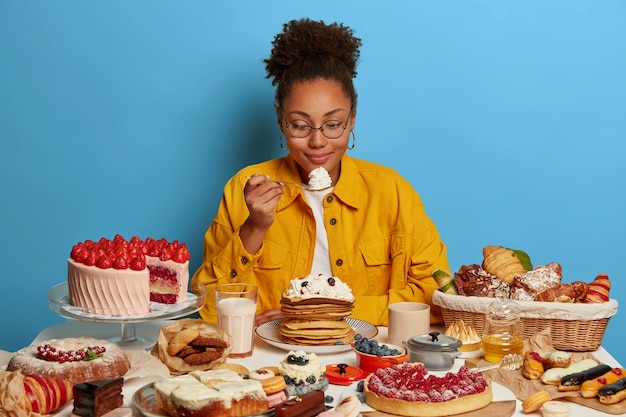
(96, 398)
(168, 263)
(219, 393)
(315, 308)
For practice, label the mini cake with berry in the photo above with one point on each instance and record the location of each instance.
(74, 359)
(315, 308)
(303, 372)
(120, 278)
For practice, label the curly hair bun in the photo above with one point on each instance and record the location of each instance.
(307, 49)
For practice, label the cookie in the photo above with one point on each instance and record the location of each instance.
(213, 342)
(207, 356)
(181, 339)
(188, 350)
(240, 369)
(261, 374)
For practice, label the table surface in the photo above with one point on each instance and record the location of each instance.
(267, 355)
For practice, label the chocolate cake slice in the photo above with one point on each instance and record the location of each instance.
(96, 398)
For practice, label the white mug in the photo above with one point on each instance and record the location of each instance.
(407, 319)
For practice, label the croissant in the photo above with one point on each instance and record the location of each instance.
(505, 263)
(24, 395)
(564, 293)
(598, 290)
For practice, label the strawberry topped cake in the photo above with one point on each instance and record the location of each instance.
(408, 390)
(120, 278)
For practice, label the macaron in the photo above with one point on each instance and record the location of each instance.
(276, 398)
(330, 413)
(273, 384)
(555, 409)
(349, 406)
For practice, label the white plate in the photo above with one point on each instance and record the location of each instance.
(145, 401)
(268, 331)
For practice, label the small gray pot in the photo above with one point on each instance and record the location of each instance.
(436, 351)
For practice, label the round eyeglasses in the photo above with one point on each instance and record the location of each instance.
(331, 129)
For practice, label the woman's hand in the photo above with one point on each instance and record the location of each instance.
(262, 196)
(268, 316)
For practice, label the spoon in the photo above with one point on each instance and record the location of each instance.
(510, 362)
(306, 187)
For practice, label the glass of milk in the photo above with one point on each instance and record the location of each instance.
(236, 311)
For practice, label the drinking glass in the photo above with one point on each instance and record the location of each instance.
(236, 311)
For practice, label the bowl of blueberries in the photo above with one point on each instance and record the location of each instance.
(372, 355)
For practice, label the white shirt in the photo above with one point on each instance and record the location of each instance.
(321, 259)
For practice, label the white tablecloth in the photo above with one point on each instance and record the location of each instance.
(147, 369)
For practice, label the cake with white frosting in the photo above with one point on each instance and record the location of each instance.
(215, 393)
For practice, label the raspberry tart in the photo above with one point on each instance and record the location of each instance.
(120, 278)
(408, 390)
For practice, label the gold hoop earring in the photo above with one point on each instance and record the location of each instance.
(280, 139)
(353, 141)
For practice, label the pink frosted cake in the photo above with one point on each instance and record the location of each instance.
(120, 278)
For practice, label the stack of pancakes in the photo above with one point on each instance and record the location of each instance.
(316, 320)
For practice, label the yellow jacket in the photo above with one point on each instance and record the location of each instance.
(381, 241)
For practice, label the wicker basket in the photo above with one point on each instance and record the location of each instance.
(573, 327)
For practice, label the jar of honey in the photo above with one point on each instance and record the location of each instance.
(502, 333)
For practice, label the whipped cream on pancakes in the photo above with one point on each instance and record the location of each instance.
(319, 179)
(318, 286)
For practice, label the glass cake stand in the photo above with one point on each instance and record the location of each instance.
(59, 302)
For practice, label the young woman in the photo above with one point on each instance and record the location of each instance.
(369, 229)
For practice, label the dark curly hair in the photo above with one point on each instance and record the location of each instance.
(307, 50)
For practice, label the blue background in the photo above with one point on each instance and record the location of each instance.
(128, 117)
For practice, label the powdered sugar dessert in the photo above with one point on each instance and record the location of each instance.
(319, 179)
(74, 359)
(120, 278)
(408, 390)
(315, 308)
